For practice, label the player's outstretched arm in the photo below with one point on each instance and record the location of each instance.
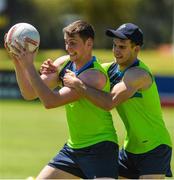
(27, 91)
(94, 94)
(51, 99)
(21, 75)
(134, 79)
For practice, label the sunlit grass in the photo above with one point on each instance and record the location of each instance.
(31, 135)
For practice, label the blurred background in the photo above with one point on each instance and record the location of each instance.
(31, 135)
(155, 17)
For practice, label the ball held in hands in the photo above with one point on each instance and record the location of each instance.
(22, 32)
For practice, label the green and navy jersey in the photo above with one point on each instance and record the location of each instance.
(141, 114)
(88, 124)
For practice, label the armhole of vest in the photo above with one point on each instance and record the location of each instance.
(152, 77)
(60, 70)
(63, 66)
(106, 66)
(103, 72)
(147, 70)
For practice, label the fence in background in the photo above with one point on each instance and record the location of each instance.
(9, 88)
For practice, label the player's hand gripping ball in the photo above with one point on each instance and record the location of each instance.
(22, 32)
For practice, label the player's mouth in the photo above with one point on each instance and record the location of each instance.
(119, 57)
(72, 54)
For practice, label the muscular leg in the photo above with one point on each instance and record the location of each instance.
(49, 172)
(153, 176)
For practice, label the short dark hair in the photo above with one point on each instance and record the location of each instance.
(84, 29)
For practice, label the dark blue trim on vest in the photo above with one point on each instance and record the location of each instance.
(138, 95)
(71, 66)
(115, 75)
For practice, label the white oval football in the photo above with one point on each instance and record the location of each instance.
(19, 32)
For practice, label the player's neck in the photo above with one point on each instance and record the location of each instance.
(127, 64)
(83, 61)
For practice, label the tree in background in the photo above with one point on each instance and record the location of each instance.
(155, 18)
(50, 16)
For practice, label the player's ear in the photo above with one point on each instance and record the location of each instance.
(90, 42)
(137, 48)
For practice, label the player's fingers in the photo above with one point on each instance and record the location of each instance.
(14, 56)
(49, 64)
(35, 51)
(50, 61)
(5, 36)
(70, 73)
(48, 67)
(19, 46)
(26, 44)
(45, 68)
(6, 47)
(5, 43)
(44, 65)
(45, 62)
(43, 71)
(16, 49)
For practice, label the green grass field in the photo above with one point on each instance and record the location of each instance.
(30, 136)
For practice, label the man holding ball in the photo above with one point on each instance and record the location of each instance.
(92, 150)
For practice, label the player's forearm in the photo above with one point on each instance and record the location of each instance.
(47, 96)
(23, 82)
(99, 98)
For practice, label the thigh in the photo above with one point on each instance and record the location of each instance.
(49, 172)
(100, 160)
(65, 161)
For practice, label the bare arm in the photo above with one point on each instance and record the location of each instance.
(27, 91)
(134, 79)
(65, 95)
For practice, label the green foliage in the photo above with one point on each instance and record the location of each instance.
(50, 16)
(155, 18)
(31, 136)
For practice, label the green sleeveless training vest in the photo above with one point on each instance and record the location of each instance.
(88, 124)
(142, 117)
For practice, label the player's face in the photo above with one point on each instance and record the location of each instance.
(76, 47)
(124, 51)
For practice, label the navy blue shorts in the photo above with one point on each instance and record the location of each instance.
(156, 161)
(99, 160)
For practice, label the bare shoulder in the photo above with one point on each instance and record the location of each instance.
(139, 77)
(136, 73)
(60, 60)
(94, 78)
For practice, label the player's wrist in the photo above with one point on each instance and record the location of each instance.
(79, 85)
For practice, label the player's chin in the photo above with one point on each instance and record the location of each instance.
(73, 58)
